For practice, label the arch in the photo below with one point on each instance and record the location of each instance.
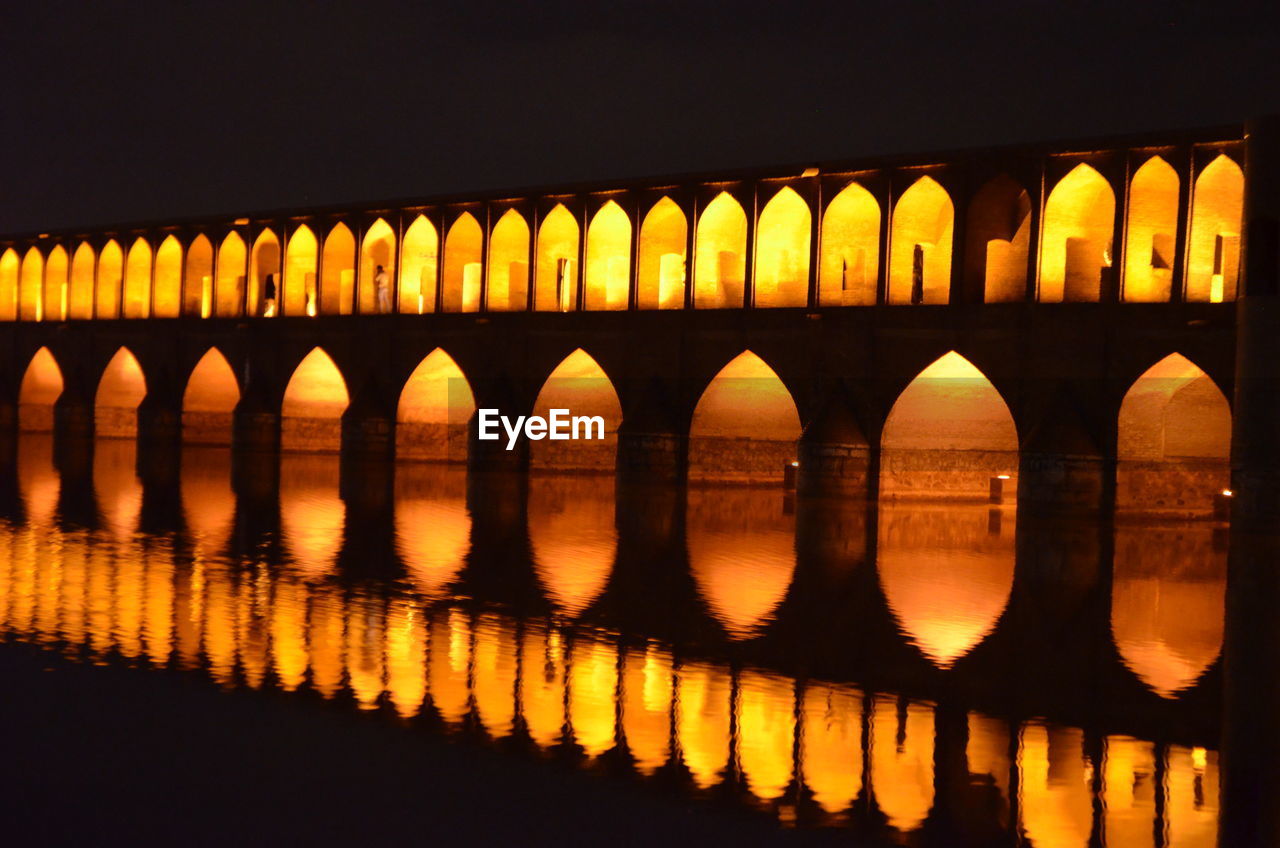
(229, 287)
(1217, 211)
(120, 389)
(419, 266)
(556, 283)
(509, 264)
(209, 400)
(782, 251)
(338, 271)
(664, 234)
(137, 281)
(578, 384)
(463, 265)
(300, 296)
(573, 538)
(80, 287)
(197, 280)
(1075, 249)
(947, 434)
(433, 526)
(920, 253)
(31, 286)
(55, 285)
(608, 281)
(314, 400)
(167, 301)
(1173, 440)
(40, 390)
(850, 240)
(9, 265)
(378, 248)
(1151, 233)
(998, 241)
(264, 262)
(745, 426)
(720, 254)
(435, 408)
(110, 275)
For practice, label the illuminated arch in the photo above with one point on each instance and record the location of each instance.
(338, 272)
(435, 408)
(9, 265)
(378, 248)
(264, 261)
(31, 286)
(782, 251)
(137, 281)
(947, 434)
(208, 401)
(168, 284)
(41, 388)
(574, 539)
(314, 400)
(745, 425)
(300, 296)
(580, 385)
(229, 288)
(56, 300)
(120, 389)
(998, 241)
(663, 236)
(1151, 232)
(850, 249)
(509, 264)
(1075, 251)
(463, 265)
(920, 257)
(556, 283)
(110, 275)
(720, 254)
(418, 267)
(433, 526)
(80, 287)
(1217, 211)
(608, 280)
(197, 280)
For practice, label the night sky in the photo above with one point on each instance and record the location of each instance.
(117, 112)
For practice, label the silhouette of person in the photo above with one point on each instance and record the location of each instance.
(382, 286)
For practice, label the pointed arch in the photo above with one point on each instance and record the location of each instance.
(1076, 249)
(338, 271)
(209, 400)
(1151, 233)
(509, 264)
(300, 295)
(168, 284)
(418, 267)
(580, 385)
(850, 248)
(229, 289)
(920, 253)
(720, 254)
(9, 265)
(55, 285)
(197, 280)
(745, 426)
(664, 233)
(998, 241)
(81, 288)
(40, 390)
(948, 432)
(314, 400)
(31, 286)
(573, 538)
(435, 408)
(377, 249)
(121, 388)
(110, 276)
(782, 251)
(556, 284)
(608, 280)
(463, 265)
(264, 263)
(1217, 212)
(137, 281)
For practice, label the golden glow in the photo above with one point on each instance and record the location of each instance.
(647, 687)
(1151, 232)
(41, 387)
(494, 674)
(1075, 248)
(702, 721)
(80, 295)
(720, 255)
(987, 756)
(110, 276)
(379, 248)
(263, 261)
(338, 272)
(831, 744)
(38, 481)
(745, 425)
(608, 281)
(1217, 211)
(229, 288)
(120, 389)
(542, 683)
(208, 504)
(574, 539)
(1191, 804)
(556, 283)
(850, 249)
(593, 683)
(31, 287)
(119, 496)
(55, 285)
(316, 397)
(435, 407)
(581, 386)
(663, 236)
(419, 265)
(920, 256)
(998, 241)
(288, 628)
(766, 733)
(208, 401)
(312, 515)
(9, 285)
(509, 264)
(783, 238)
(1055, 797)
(463, 265)
(433, 527)
(168, 282)
(406, 634)
(197, 280)
(365, 646)
(1129, 791)
(137, 281)
(299, 296)
(449, 663)
(902, 761)
(328, 640)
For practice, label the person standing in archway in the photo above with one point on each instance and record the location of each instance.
(269, 296)
(382, 287)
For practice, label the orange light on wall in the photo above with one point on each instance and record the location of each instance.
(1217, 210)
(120, 390)
(418, 267)
(556, 280)
(463, 264)
(608, 271)
(850, 259)
(509, 264)
(720, 261)
(1075, 247)
(1151, 232)
(313, 405)
(920, 256)
(661, 268)
(41, 387)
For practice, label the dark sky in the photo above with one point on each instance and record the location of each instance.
(116, 112)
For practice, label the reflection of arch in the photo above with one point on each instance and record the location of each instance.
(41, 387)
(1075, 250)
(314, 400)
(850, 248)
(831, 744)
(782, 251)
(1213, 260)
(338, 271)
(997, 241)
(229, 288)
(463, 265)
(80, 287)
(418, 267)
(745, 425)
(720, 254)
(197, 281)
(264, 262)
(433, 527)
(646, 705)
(574, 537)
(920, 254)
(31, 286)
(379, 248)
(556, 282)
(300, 296)
(703, 721)
(120, 389)
(509, 264)
(436, 405)
(55, 285)
(209, 400)
(137, 281)
(902, 758)
(608, 272)
(9, 285)
(766, 732)
(1056, 798)
(947, 434)
(578, 384)
(1150, 233)
(312, 514)
(661, 278)
(208, 502)
(167, 300)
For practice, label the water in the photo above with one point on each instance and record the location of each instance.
(917, 673)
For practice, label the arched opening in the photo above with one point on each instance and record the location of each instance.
(168, 284)
(1174, 440)
(556, 285)
(463, 265)
(782, 251)
(263, 295)
(1151, 233)
(850, 249)
(9, 265)
(574, 538)
(197, 282)
(378, 250)
(608, 280)
(920, 257)
(435, 409)
(509, 264)
(137, 281)
(745, 426)
(1217, 209)
(418, 267)
(338, 272)
(55, 285)
(720, 255)
(31, 286)
(229, 290)
(120, 389)
(433, 526)
(110, 275)
(582, 390)
(314, 400)
(209, 400)
(947, 435)
(663, 236)
(41, 388)
(998, 241)
(80, 293)
(1075, 251)
(300, 296)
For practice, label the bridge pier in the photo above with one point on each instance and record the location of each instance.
(656, 456)
(368, 436)
(255, 430)
(1061, 470)
(835, 457)
(159, 424)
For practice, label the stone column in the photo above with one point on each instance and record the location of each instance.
(835, 457)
